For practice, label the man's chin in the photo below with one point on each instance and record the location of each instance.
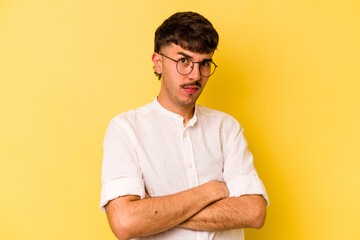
(189, 102)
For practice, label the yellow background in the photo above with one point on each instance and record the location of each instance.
(288, 71)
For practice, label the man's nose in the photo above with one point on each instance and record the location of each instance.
(195, 72)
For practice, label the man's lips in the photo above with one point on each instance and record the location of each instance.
(191, 88)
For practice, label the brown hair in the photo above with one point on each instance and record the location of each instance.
(189, 30)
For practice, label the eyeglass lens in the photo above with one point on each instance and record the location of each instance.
(185, 66)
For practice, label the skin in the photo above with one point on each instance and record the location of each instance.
(247, 211)
(173, 95)
(207, 207)
(130, 216)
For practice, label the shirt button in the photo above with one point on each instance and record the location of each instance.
(190, 165)
(184, 134)
(254, 174)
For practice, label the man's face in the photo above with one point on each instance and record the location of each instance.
(180, 90)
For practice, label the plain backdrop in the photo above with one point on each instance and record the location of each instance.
(288, 72)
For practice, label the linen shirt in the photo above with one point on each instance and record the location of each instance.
(150, 148)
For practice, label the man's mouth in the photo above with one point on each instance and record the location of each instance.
(191, 88)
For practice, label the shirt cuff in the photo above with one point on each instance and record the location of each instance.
(121, 187)
(247, 184)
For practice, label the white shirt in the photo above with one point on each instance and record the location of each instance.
(150, 148)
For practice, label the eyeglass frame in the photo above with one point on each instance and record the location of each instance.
(192, 65)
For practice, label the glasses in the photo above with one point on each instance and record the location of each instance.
(184, 66)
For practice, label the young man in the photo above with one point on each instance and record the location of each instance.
(173, 169)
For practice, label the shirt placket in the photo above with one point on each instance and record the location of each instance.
(189, 159)
(191, 168)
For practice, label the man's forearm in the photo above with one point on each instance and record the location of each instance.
(131, 217)
(247, 211)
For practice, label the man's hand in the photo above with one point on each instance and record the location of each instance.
(219, 187)
(129, 216)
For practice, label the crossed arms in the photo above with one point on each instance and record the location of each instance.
(207, 207)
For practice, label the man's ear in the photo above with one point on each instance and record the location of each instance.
(156, 58)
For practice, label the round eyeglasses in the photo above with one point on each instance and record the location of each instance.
(184, 66)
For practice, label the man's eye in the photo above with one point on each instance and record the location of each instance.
(205, 64)
(183, 60)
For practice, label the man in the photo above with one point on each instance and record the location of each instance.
(173, 169)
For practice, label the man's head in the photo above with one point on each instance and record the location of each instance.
(189, 30)
(184, 47)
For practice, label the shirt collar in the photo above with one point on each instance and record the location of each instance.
(177, 117)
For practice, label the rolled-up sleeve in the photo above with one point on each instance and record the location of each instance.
(121, 174)
(239, 172)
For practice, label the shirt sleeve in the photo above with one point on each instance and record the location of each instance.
(121, 174)
(239, 172)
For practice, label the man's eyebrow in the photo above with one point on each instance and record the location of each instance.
(184, 54)
(188, 56)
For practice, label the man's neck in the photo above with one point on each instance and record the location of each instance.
(187, 112)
